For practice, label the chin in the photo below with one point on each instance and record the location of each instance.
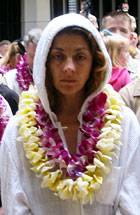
(71, 92)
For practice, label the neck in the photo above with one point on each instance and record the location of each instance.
(70, 104)
(68, 111)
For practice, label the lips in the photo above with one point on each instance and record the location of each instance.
(68, 80)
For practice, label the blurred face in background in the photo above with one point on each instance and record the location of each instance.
(125, 7)
(118, 26)
(4, 49)
(134, 39)
(30, 54)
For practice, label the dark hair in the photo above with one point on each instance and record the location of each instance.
(20, 43)
(98, 71)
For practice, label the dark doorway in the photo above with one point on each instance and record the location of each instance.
(10, 16)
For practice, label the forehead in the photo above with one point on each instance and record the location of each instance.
(118, 22)
(72, 38)
(125, 5)
(4, 46)
(118, 19)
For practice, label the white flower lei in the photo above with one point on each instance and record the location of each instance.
(83, 187)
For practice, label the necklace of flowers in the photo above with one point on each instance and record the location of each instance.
(4, 118)
(24, 76)
(75, 176)
(4, 69)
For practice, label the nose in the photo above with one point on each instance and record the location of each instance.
(69, 65)
(117, 31)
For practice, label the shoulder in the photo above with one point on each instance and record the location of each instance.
(11, 73)
(131, 89)
(93, 19)
(129, 116)
(6, 91)
(9, 77)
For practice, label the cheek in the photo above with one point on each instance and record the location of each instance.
(126, 56)
(84, 76)
(54, 77)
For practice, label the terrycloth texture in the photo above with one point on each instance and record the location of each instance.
(119, 78)
(56, 25)
(24, 196)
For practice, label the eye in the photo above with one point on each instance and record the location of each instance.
(57, 56)
(123, 31)
(112, 30)
(80, 57)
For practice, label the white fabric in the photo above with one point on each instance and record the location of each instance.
(133, 66)
(21, 191)
(10, 80)
(44, 44)
(22, 194)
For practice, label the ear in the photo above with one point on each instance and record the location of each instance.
(131, 35)
(17, 57)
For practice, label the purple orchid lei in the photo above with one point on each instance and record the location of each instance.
(73, 165)
(24, 77)
(4, 69)
(3, 118)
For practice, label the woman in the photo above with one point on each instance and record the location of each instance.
(9, 61)
(117, 47)
(64, 153)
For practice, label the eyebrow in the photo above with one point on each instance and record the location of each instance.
(61, 49)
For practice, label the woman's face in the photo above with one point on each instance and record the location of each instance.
(70, 63)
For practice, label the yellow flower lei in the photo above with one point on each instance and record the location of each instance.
(109, 140)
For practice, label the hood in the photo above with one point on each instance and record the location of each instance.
(45, 42)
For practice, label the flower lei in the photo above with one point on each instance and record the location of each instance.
(24, 77)
(71, 176)
(3, 118)
(4, 69)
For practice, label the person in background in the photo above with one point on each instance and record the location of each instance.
(131, 96)
(120, 23)
(85, 11)
(138, 45)
(117, 47)
(20, 78)
(117, 22)
(5, 114)
(9, 61)
(134, 51)
(125, 8)
(134, 39)
(10, 96)
(73, 146)
(4, 45)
